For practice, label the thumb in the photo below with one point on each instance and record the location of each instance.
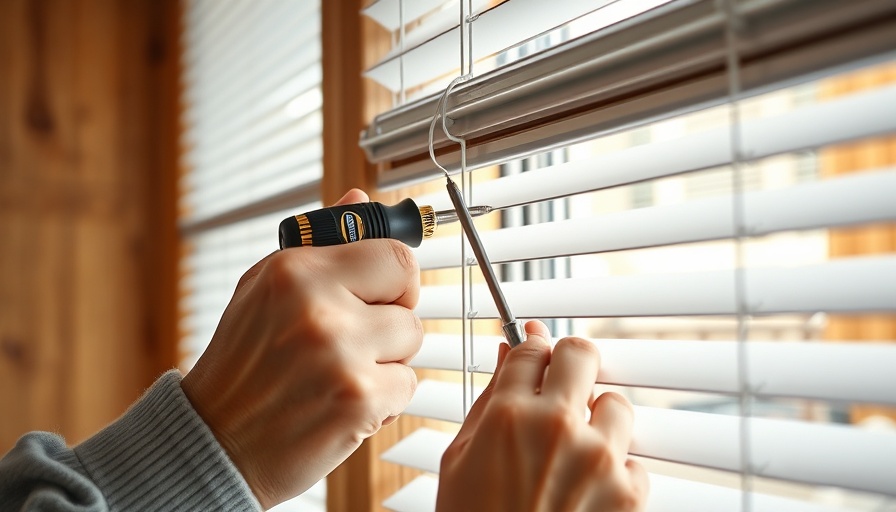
(533, 328)
(354, 195)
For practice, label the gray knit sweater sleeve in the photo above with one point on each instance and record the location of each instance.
(159, 455)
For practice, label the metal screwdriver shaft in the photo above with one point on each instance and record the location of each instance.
(446, 216)
(511, 327)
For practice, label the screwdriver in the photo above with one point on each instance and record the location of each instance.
(344, 224)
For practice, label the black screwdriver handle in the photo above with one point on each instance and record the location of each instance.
(353, 222)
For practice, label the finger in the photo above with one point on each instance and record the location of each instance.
(639, 478)
(523, 368)
(395, 385)
(353, 196)
(391, 333)
(613, 416)
(572, 373)
(376, 271)
(471, 422)
(539, 328)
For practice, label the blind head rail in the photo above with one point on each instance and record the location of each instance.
(664, 62)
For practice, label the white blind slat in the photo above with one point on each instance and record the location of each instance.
(278, 40)
(853, 284)
(438, 400)
(249, 123)
(261, 179)
(387, 12)
(496, 29)
(244, 142)
(418, 496)
(297, 143)
(812, 453)
(423, 450)
(851, 199)
(672, 494)
(423, 22)
(204, 27)
(849, 371)
(805, 452)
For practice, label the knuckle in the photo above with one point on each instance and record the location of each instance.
(351, 388)
(280, 274)
(403, 255)
(253, 271)
(278, 266)
(559, 423)
(356, 396)
(601, 463)
(319, 325)
(506, 412)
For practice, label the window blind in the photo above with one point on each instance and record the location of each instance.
(252, 151)
(672, 182)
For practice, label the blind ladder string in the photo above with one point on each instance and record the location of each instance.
(469, 313)
(466, 276)
(466, 69)
(738, 219)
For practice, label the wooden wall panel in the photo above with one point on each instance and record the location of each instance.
(87, 233)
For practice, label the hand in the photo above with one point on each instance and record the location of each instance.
(309, 359)
(526, 444)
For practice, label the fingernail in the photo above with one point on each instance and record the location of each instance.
(537, 328)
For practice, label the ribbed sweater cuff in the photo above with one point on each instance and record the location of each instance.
(160, 455)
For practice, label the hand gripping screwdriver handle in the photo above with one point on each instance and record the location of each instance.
(353, 222)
